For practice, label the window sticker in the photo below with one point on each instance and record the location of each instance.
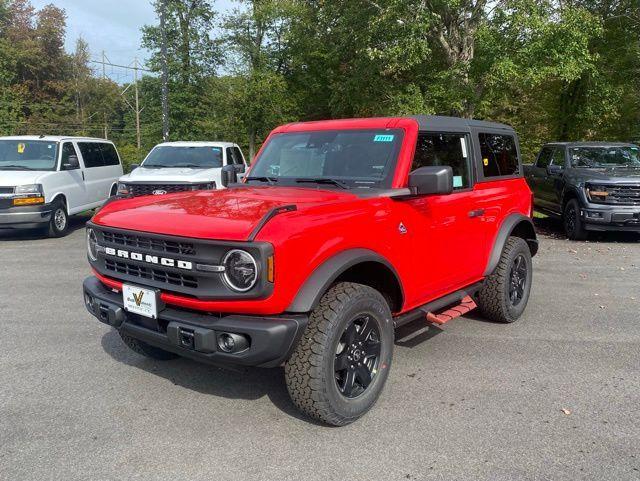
(464, 147)
(21, 148)
(216, 149)
(383, 138)
(457, 181)
(485, 161)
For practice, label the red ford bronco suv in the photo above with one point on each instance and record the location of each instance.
(342, 231)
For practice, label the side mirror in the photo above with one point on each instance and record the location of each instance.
(431, 180)
(554, 169)
(134, 166)
(71, 163)
(228, 175)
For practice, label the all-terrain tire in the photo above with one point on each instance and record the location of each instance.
(572, 223)
(147, 350)
(494, 299)
(310, 373)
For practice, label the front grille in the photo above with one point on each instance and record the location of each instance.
(624, 194)
(149, 243)
(148, 189)
(157, 275)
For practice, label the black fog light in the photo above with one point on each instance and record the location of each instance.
(593, 214)
(229, 342)
(88, 302)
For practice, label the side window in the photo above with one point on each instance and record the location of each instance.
(91, 154)
(544, 159)
(109, 154)
(499, 155)
(237, 156)
(435, 149)
(229, 156)
(67, 150)
(558, 157)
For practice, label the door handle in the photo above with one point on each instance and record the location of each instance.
(82, 172)
(476, 213)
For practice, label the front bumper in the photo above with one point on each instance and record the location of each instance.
(599, 217)
(25, 217)
(271, 338)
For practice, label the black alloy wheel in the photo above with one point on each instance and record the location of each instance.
(357, 356)
(517, 280)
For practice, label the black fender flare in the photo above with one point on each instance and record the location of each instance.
(312, 290)
(510, 224)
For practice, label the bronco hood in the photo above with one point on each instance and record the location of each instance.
(230, 214)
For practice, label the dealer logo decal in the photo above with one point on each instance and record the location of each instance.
(138, 298)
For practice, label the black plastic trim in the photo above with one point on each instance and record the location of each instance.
(268, 216)
(507, 227)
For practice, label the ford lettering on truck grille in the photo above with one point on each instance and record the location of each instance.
(148, 258)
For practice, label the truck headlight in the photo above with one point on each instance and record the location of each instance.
(92, 244)
(597, 193)
(240, 270)
(123, 189)
(28, 194)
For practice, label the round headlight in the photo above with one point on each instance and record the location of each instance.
(92, 242)
(240, 270)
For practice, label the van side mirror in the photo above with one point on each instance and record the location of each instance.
(71, 163)
(554, 169)
(228, 175)
(431, 180)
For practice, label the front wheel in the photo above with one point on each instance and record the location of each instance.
(341, 364)
(505, 292)
(59, 223)
(573, 225)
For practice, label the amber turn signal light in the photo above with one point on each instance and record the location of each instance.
(270, 273)
(28, 200)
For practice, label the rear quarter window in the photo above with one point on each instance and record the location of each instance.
(109, 154)
(499, 155)
(91, 154)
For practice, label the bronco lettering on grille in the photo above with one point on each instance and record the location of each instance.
(149, 259)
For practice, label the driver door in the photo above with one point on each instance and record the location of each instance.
(71, 181)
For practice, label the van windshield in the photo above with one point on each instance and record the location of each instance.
(194, 157)
(338, 158)
(28, 155)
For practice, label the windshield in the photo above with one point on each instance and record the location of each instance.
(196, 157)
(627, 156)
(28, 155)
(344, 158)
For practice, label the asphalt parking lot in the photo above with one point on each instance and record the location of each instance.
(554, 396)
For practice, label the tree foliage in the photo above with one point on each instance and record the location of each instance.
(554, 69)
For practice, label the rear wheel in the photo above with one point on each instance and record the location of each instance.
(505, 292)
(147, 350)
(573, 225)
(341, 364)
(59, 223)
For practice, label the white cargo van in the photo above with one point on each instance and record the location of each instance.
(45, 179)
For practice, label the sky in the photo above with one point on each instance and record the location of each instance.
(112, 26)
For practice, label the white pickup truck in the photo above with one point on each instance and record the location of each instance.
(45, 179)
(179, 166)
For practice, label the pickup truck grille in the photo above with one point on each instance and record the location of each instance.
(616, 194)
(149, 243)
(157, 275)
(148, 189)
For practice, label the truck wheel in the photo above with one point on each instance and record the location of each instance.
(59, 223)
(505, 292)
(573, 225)
(147, 350)
(341, 364)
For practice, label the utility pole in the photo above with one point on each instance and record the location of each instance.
(104, 77)
(162, 5)
(135, 86)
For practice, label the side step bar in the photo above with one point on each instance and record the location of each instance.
(455, 304)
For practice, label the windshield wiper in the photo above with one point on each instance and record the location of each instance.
(192, 166)
(15, 167)
(157, 166)
(269, 180)
(323, 180)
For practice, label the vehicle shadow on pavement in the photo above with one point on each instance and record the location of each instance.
(76, 222)
(249, 383)
(552, 227)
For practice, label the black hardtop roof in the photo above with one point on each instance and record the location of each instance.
(590, 144)
(440, 122)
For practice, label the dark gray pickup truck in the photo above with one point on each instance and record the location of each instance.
(591, 185)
